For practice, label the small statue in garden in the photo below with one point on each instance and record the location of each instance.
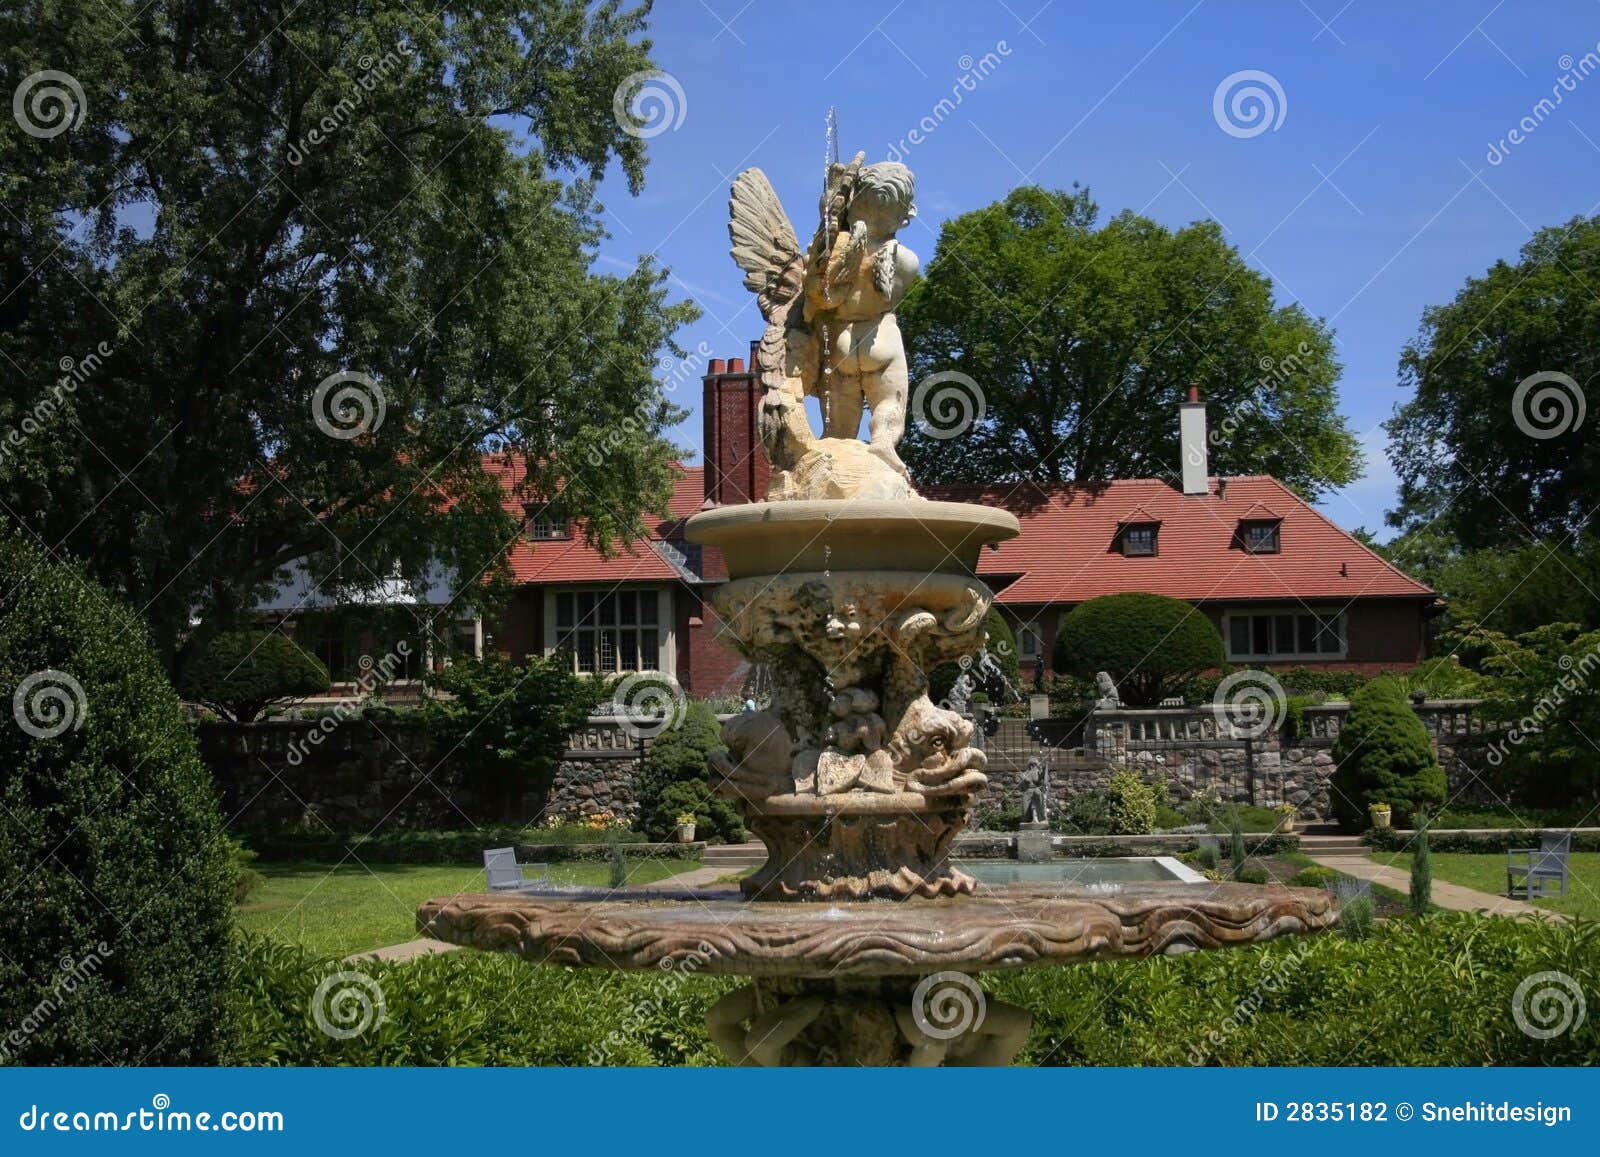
(1036, 792)
(1106, 690)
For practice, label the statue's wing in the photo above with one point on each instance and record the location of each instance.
(764, 244)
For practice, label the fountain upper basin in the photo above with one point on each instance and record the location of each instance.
(763, 538)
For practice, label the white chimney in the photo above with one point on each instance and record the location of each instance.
(1192, 437)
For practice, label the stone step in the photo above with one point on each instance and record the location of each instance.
(734, 855)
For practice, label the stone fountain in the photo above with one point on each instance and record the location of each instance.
(859, 933)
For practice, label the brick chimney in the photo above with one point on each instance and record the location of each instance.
(737, 469)
(1192, 438)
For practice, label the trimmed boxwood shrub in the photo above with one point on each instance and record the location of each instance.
(1477, 843)
(1150, 644)
(1332, 1001)
(676, 780)
(1131, 805)
(1383, 755)
(116, 874)
(239, 674)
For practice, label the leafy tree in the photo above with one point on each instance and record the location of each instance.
(256, 198)
(240, 673)
(676, 780)
(1383, 755)
(1149, 644)
(117, 877)
(1461, 446)
(1547, 693)
(1080, 339)
(506, 723)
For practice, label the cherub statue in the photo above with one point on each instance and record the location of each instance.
(831, 331)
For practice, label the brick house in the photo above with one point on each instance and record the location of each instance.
(1283, 585)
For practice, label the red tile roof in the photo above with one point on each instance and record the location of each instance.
(573, 560)
(1066, 551)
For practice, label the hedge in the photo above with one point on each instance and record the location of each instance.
(1390, 999)
(1479, 842)
(116, 878)
(1149, 644)
(1383, 755)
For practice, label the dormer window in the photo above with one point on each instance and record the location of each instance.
(1139, 539)
(1260, 536)
(545, 525)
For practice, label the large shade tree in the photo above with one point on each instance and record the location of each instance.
(1497, 444)
(1084, 337)
(241, 202)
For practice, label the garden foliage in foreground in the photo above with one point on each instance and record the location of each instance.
(1435, 991)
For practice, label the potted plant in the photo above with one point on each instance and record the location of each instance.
(1286, 816)
(1380, 814)
(685, 822)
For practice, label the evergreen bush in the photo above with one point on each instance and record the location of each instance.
(239, 674)
(676, 779)
(1383, 754)
(1149, 644)
(117, 877)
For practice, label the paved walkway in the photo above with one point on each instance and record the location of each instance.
(1445, 894)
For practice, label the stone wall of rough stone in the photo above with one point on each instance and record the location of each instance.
(359, 773)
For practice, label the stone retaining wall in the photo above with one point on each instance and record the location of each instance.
(360, 773)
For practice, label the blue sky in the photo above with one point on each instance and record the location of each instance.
(1371, 198)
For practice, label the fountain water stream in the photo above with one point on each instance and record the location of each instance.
(848, 587)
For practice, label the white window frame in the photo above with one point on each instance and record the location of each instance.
(546, 527)
(1336, 614)
(666, 642)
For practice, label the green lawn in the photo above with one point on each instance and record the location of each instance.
(355, 908)
(1487, 873)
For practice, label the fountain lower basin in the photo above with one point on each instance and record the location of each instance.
(1014, 926)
